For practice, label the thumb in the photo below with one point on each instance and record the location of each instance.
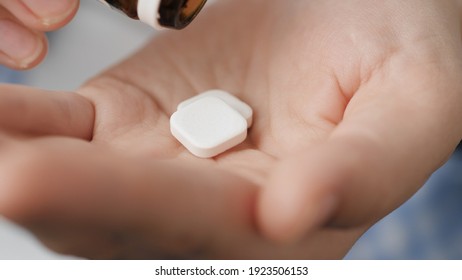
(386, 147)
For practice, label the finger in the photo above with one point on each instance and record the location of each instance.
(41, 112)
(78, 188)
(43, 15)
(393, 136)
(20, 47)
(85, 201)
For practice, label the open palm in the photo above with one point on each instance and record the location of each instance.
(354, 109)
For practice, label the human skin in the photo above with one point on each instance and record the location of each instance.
(356, 103)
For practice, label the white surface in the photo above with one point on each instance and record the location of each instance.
(208, 126)
(230, 269)
(241, 107)
(97, 38)
(148, 12)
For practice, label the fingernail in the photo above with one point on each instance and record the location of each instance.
(51, 11)
(18, 43)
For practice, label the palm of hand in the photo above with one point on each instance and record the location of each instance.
(310, 82)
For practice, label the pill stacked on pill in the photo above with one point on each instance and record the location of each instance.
(210, 123)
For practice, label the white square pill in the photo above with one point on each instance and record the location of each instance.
(244, 109)
(208, 126)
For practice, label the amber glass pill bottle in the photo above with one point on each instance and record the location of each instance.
(176, 14)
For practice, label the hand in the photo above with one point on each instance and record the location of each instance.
(356, 104)
(22, 25)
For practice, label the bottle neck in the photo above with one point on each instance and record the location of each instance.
(175, 14)
(148, 12)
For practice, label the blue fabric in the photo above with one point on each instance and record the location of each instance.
(9, 76)
(428, 226)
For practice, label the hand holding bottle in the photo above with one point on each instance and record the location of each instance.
(22, 26)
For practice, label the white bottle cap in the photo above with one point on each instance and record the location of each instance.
(148, 12)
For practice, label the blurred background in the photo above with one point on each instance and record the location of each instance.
(429, 226)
